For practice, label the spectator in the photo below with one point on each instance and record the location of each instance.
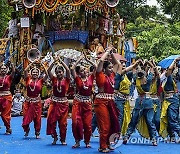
(17, 103)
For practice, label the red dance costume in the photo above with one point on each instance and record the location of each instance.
(58, 109)
(105, 109)
(5, 100)
(32, 107)
(82, 109)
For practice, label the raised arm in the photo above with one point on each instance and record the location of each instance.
(50, 68)
(150, 64)
(101, 61)
(155, 69)
(171, 67)
(66, 67)
(46, 73)
(49, 71)
(131, 67)
(27, 69)
(73, 71)
(114, 60)
(93, 64)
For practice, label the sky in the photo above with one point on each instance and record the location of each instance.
(152, 2)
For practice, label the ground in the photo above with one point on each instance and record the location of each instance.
(17, 144)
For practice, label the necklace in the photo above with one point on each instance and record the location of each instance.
(3, 81)
(84, 86)
(59, 89)
(32, 89)
(110, 81)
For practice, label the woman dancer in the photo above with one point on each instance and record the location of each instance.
(155, 93)
(82, 103)
(6, 96)
(169, 123)
(143, 106)
(32, 107)
(58, 109)
(122, 91)
(104, 106)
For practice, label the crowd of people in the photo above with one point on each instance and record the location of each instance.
(156, 110)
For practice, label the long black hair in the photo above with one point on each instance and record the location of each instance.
(59, 68)
(106, 64)
(77, 69)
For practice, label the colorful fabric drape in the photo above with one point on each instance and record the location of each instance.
(126, 118)
(125, 85)
(143, 128)
(164, 121)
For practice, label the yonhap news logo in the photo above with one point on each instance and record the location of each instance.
(116, 140)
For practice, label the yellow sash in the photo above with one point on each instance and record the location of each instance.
(153, 89)
(124, 87)
(143, 128)
(163, 120)
(138, 86)
(127, 117)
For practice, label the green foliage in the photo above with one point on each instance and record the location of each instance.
(5, 15)
(171, 7)
(133, 9)
(155, 39)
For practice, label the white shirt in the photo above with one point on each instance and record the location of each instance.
(40, 29)
(13, 30)
(17, 103)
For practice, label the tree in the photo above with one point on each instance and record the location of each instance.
(5, 15)
(171, 7)
(133, 9)
(155, 39)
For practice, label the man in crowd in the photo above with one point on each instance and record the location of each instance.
(17, 103)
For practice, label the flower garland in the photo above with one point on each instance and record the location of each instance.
(77, 2)
(39, 4)
(50, 6)
(63, 2)
(91, 4)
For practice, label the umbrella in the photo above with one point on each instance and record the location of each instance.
(165, 63)
(117, 56)
(69, 53)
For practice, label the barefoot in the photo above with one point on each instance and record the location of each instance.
(154, 143)
(8, 131)
(88, 145)
(37, 135)
(77, 145)
(54, 141)
(27, 133)
(63, 143)
(106, 150)
(125, 140)
(110, 147)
